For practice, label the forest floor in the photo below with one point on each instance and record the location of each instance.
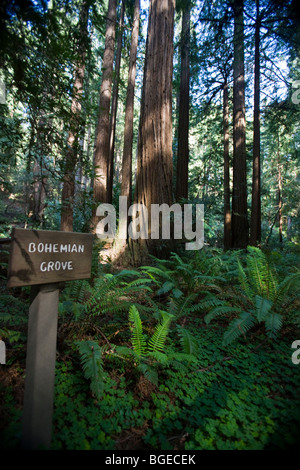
(242, 396)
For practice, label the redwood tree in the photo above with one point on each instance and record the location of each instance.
(184, 108)
(75, 127)
(126, 184)
(240, 226)
(154, 165)
(227, 213)
(101, 153)
(114, 106)
(255, 232)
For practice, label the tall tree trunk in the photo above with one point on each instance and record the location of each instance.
(154, 165)
(101, 153)
(240, 226)
(126, 185)
(184, 109)
(36, 190)
(255, 231)
(227, 213)
(68, 190)
(114, 107)
(280, 222)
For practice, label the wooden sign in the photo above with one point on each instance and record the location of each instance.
(45, 257)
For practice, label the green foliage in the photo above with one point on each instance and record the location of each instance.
(92, 364)
(188, 341)
(13, 318)
(114, 293)
(237, 327)
(157, 341)
(262, 298)
(138, 339)
(147, 352)
(146, 378)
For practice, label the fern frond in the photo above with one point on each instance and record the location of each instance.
(273, 324)
(188, 342)
(260, 273)
(91, 361)
(238, 327)
(244, 280)
(128, 272)
(182, 306)
(158, 356)
(263, 306)
(79, 290)
(149, 372)
(157, 340)
(124, 352)
(140, 283)
(10, 335)
(198, 307)
(166, 287)
(157, 274)
(221, 310)
(210, 301)
(137, 339)
(291, 282)
(181, 357)
(209, 279)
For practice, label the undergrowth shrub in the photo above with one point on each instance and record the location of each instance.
(261, 298)
(146, 354)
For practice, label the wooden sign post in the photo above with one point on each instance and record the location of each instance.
(44, 258)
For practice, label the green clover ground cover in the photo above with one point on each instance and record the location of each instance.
(238, 395)
(238, 398)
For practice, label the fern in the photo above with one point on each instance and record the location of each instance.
(138, 340)
(142, 347)
(159, 357)
(10, 335)
(210, 301)
(184, 305)
(188, 342)
(91, 361)
(238, 327)
(284, 288)
(244, 281)
(273, 324)
(264, 299)
(220, 311)
(263, 307)
(261, 273)
(79, 290)
(157, 274)
(157, 341)
(147, 353)
(112, 294)
(149, 372)
(166, 287)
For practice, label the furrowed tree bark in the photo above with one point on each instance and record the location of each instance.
(280, 221)
(126, 184)
(101, 152)
(184, 108)
(255, 230)
(240, 225)
(227, 213)
(154, 165)
(114, 107)
(68, 191)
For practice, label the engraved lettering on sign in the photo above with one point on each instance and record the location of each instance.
(55, 248)
(56, 266)
(43, 257)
